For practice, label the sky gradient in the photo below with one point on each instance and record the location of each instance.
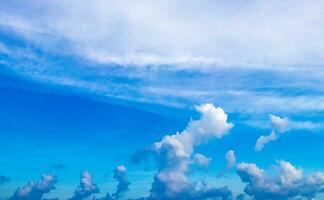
(164, 100)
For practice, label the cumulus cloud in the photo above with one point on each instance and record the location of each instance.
(206, 193)
(123, 183)
(201, 160)
(230, 162)
(86, 187)
(230, 159)
(264, 139)
(287, 182)
(34, 190)
(280, 126)
(175, 153)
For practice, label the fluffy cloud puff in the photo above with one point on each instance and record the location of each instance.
(287, 182)
(230, 159)
(280, 126)
(201, 160)
(230, 162)
(86, 187)
(35, 190)
(174, 154)
(123, 183)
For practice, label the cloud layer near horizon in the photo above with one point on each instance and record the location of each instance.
(288, 182)
(175, 154)
(34, 190)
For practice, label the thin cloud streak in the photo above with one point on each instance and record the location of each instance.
(113, 32)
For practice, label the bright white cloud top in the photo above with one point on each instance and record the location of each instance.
(280, 126)
(288, 182)
(174, 154)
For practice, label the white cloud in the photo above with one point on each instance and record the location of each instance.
(123, 183)
(174, 153)
(246, 98)
(230, 163)
(280, 126)
(240, 63)
(178, 32)
(288, 182)
(264, 139)
(201, 160)
(35, 190)
(230, 159)
(86, 187)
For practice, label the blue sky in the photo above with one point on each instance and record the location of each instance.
(89, 86)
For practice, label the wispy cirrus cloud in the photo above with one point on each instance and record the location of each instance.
(163, 53)
(167, 32)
